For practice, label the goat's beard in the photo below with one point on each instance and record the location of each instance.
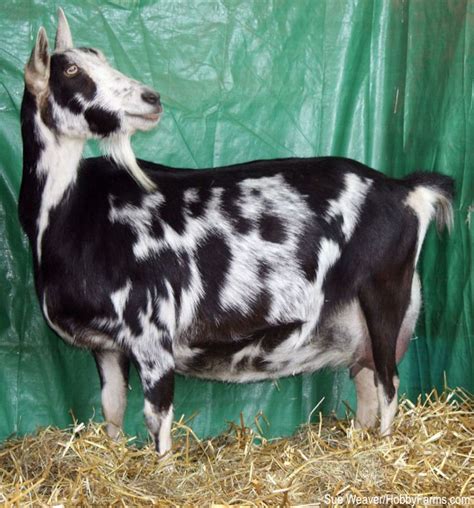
(119, 148)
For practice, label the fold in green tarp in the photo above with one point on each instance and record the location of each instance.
(388, 83)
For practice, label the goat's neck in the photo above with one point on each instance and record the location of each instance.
(50, 164)
(58, 162)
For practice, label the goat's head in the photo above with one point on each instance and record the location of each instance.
(79, 95)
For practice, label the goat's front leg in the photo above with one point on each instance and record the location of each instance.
(159, 411)
(157, 376)
(113, 367)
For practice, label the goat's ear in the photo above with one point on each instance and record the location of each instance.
(63, 34)
(37, 68)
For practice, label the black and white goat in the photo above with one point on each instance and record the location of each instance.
(242, 273)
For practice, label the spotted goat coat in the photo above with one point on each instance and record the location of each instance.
(242, 273)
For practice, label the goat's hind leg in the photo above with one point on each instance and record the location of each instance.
(367, 399)
(384, 301)
(113, 367)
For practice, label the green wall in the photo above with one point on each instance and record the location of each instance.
(386, 82)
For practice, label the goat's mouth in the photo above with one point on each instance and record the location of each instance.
(150, 117)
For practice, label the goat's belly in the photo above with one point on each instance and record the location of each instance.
(248, 367)
(339, 341)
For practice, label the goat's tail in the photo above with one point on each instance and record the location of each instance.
(437, 196)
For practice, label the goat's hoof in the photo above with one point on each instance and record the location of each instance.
(113, 431)
(360, 424)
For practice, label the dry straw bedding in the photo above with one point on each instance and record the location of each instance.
(430, 453)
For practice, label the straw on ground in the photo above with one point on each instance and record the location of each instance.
(430, 453)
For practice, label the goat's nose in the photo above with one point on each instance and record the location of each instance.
(151, 97)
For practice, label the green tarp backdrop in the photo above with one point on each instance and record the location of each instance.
(386, 82)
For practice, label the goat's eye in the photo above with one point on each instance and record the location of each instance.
(71, 71)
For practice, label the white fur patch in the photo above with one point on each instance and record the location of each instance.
(422, 201)
(165, 430)
(272, 196)
(349, 202)
(190, 297)
(139, 218)
(149, 347)
(159, 424)
(58, 165)
(388, 410)
(329, 253)
(119, 299)
(307, 306)
(167, 310)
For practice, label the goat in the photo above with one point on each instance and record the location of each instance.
(241, 273)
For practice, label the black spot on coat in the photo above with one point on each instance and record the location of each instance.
(197, 208)
(101, 121)
(65, 89)
(213, 260)
(230, 199)
(47, 115)
(271, 228)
